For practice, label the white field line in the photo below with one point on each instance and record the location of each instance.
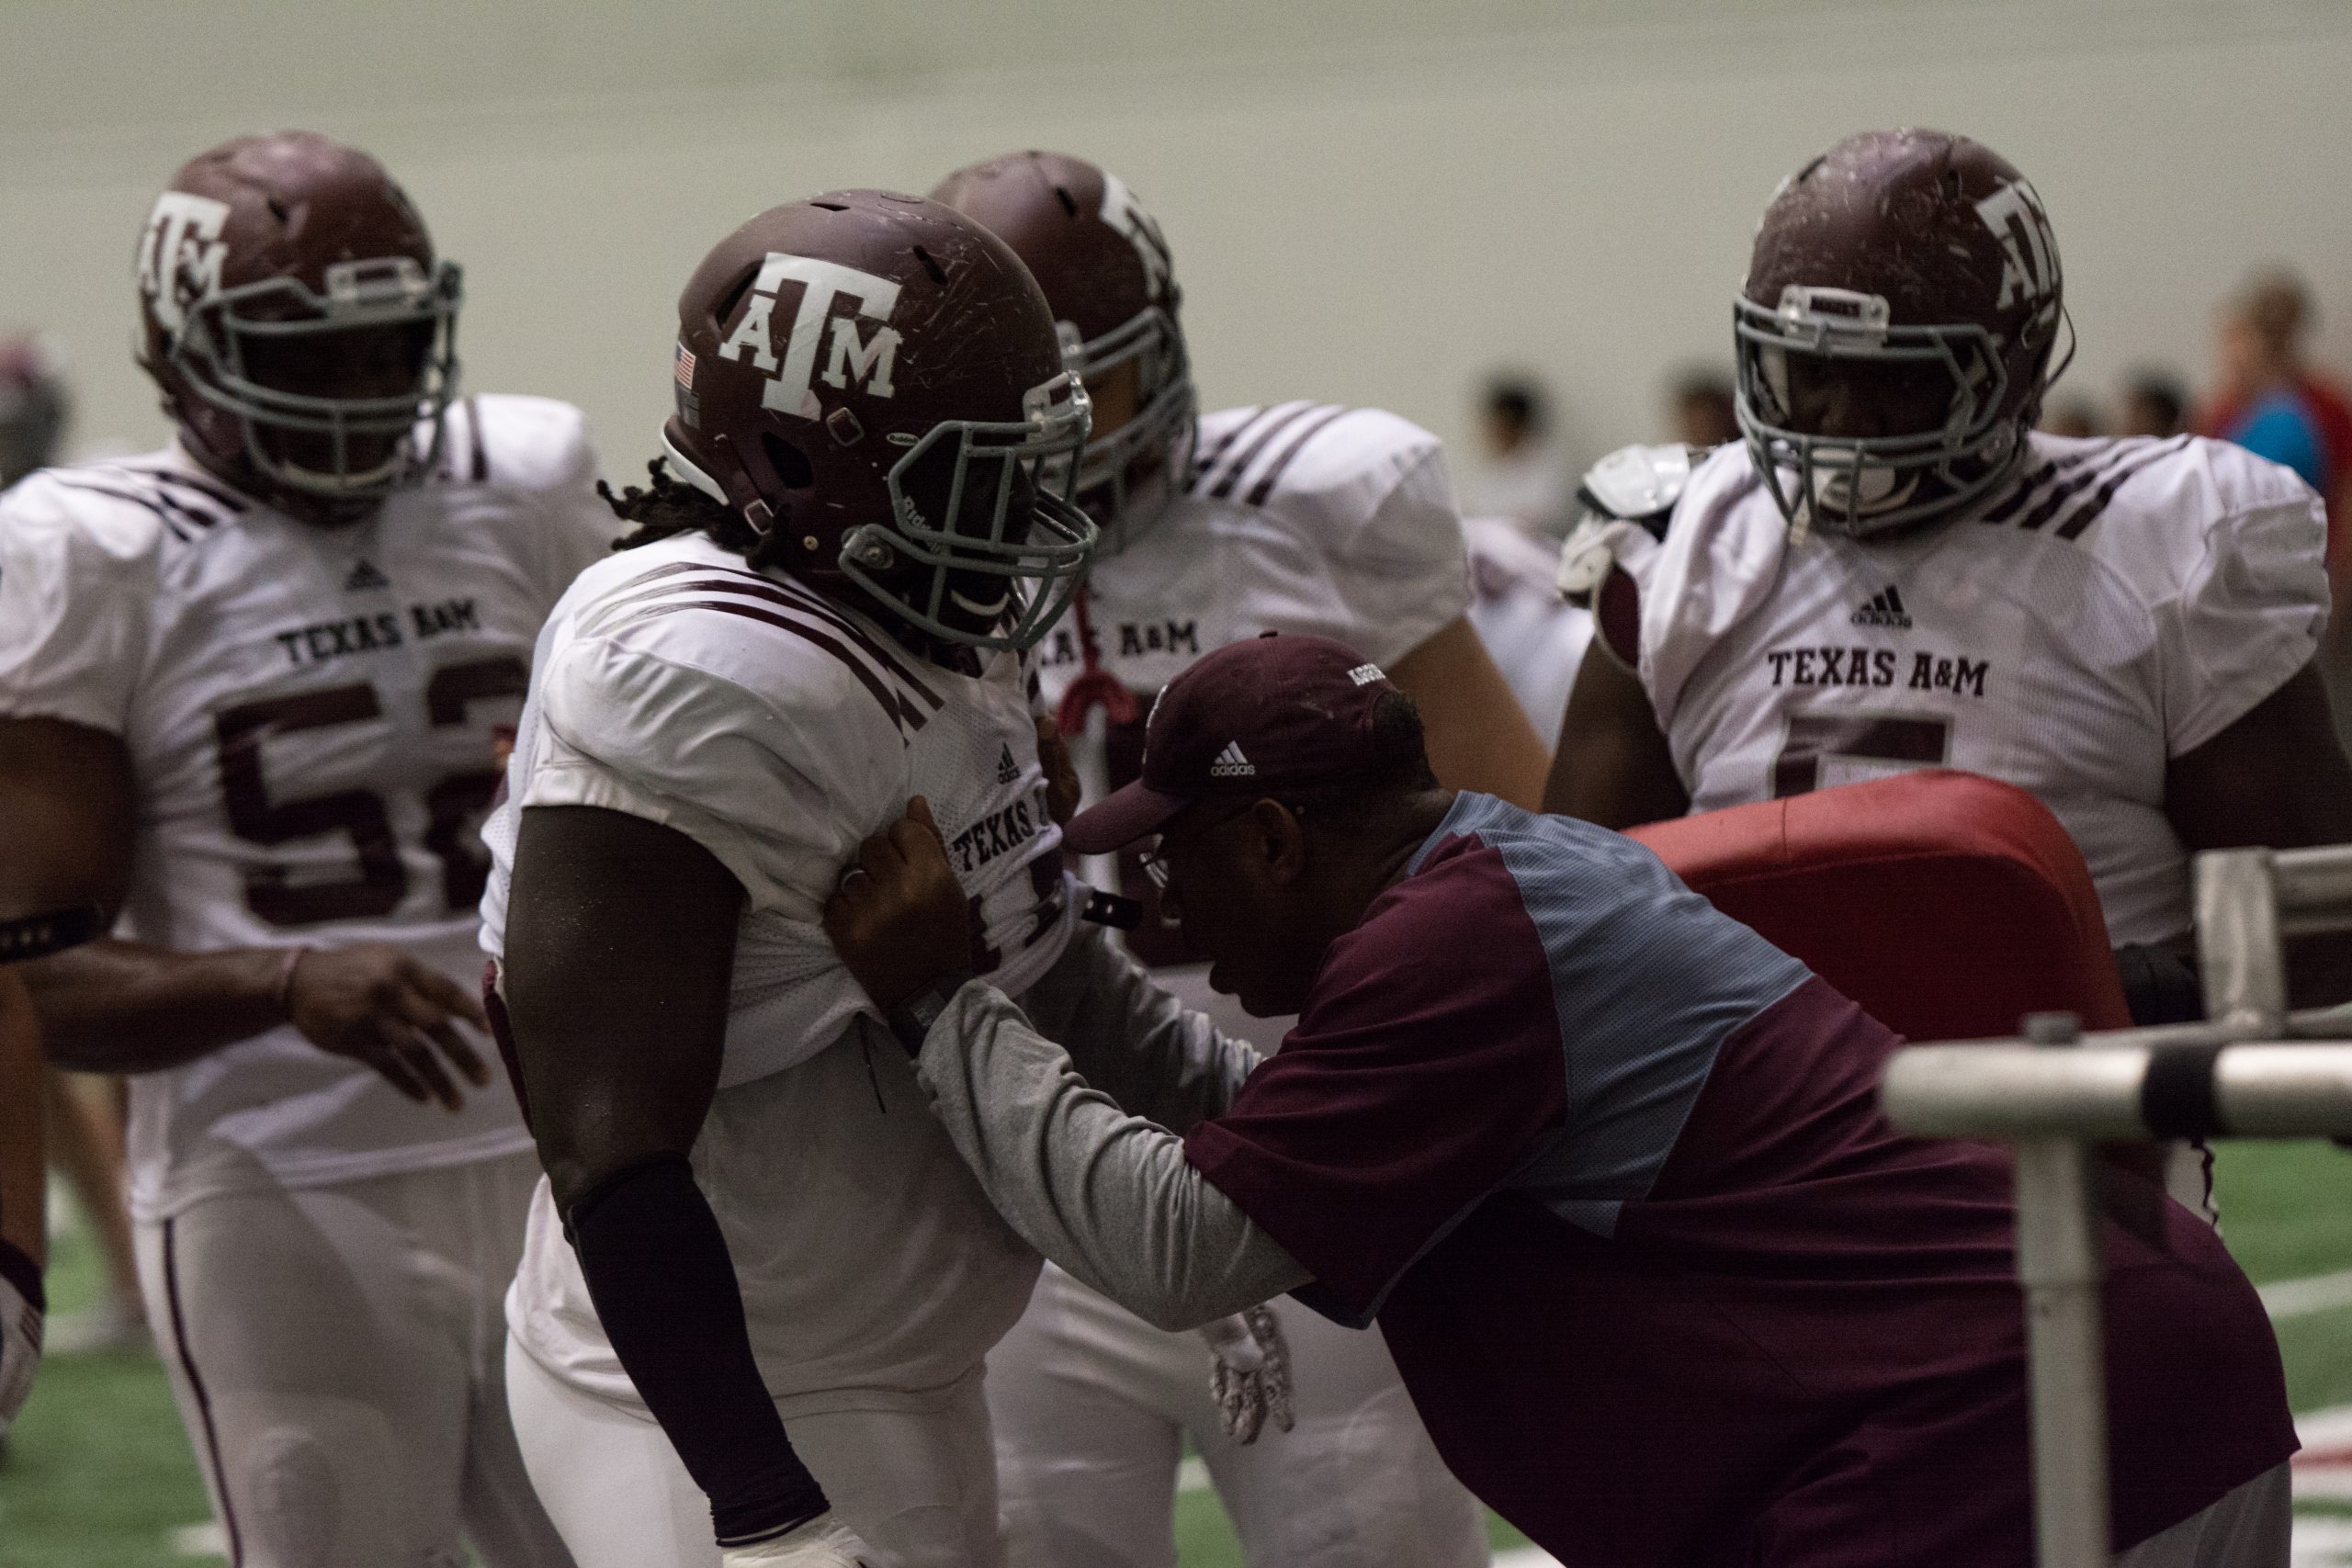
(2301, 1297)
(206, 1540)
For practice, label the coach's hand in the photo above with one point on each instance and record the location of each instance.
(1062, 789)
(377, 1005)
(899, 919)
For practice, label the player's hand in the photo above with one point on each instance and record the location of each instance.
(899, 919)
(1061, 774)
(823, 1542)
(375, 1004)
(1249, 1374)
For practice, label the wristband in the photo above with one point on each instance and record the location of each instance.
(912, 1020)
(37, 936)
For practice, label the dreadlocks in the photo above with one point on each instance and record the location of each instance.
(670, 507)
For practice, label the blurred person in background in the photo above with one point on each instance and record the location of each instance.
(2269, 401)
(1700, 408)
(253, 687)
(1519, 473)
(84, 1112)
(2155, 403)
(1295, 516)
(2075, 419)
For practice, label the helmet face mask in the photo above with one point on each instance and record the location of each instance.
(987, 544)
(342, 395)
(1894, 334)
(1816, 373)
(1136, 467)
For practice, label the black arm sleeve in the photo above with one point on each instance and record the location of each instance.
(664, 1285)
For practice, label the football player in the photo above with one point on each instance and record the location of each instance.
(1295, 516)
(1895, 570)
(252, 688)
(760, 1285)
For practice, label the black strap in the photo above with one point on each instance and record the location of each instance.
(912, 1020)
(2177, 1098)
(1113, 910)
(37, 936)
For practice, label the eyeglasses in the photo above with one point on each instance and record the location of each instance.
(1153, 859)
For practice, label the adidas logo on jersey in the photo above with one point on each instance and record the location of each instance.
(1231, 764)
(365, 577)
(1884, 609)
(1007, 769)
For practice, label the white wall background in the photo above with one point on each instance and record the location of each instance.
(1371, 202)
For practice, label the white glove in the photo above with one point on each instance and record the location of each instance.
(20, 1351)
(1249, 1374)
(823, 1542)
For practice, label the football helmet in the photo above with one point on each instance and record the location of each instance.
(876, 380)
(1894, 332)
(33, 408)
(298, 322)
(1105, 270)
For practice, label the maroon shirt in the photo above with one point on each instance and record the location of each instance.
(1792, 1335)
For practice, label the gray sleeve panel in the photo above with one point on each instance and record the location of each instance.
(1108, 1196)
(1132, 1040)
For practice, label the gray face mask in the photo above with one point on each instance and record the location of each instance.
(1119, 484)
(351, 447)
(1857, 484)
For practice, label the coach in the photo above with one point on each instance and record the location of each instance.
(1608, 1167)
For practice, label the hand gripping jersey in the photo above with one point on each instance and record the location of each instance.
(1297, 517)
(312, 717)
(778, 729)
(2119, 604)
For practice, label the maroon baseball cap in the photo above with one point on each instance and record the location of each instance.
(1252, 719)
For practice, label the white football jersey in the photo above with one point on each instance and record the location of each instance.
(2121, 604)
(779, 729)
(1297, 517)
(313, 717)
(1536, 639)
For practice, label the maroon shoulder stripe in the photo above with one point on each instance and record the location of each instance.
(2029, 484)
(197, 1389)
(903, 712)
(2089, 512)
(219, 495)
(752, 584)
(2074, 485)
(176, 520)
(1204, 461)
(1306, 433)
(1258, 444)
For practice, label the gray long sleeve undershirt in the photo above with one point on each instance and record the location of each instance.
(1105, 1193)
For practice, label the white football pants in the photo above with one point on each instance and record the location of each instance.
(919, 1486)
(338, 1356)
(1091, 1403)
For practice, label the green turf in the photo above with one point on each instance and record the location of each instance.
(98, 1476)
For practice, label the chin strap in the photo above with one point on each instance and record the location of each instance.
(1096, 687)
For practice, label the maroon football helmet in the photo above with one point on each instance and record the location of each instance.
(1105, 270)
(876, 380)
(301, 330)
(1895, 332)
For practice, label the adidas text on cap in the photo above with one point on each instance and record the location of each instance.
(1252, 719)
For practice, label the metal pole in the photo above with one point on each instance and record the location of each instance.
(2238, 950)
(2061, 1263)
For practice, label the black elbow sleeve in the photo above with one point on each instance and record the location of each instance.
(664, 1285)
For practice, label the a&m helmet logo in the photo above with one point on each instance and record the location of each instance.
(851, 357)
(2029, 250)
(180, 255)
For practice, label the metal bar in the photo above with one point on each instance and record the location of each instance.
(2059, 1263)
(2238, 950)
(2264, 1089)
